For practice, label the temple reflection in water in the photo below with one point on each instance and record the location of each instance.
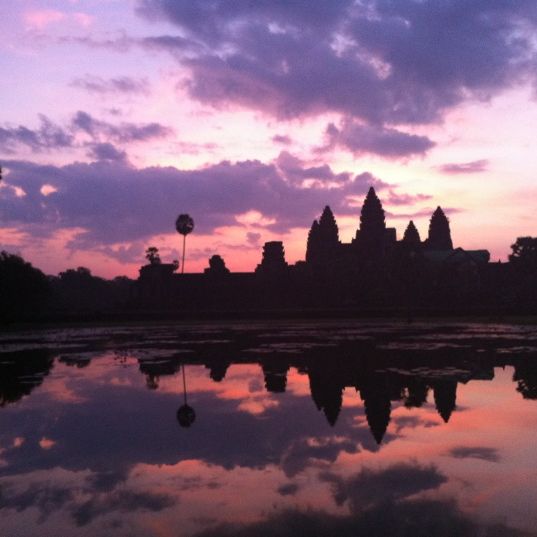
(383, 368)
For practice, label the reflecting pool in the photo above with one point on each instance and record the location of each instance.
(269, 429)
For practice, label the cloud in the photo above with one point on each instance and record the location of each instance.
(425, 212)
(124, 132)
(47, 136)
(381, 63)
(423, 517)
(295, 170)
(40, 18)
(123, 84)
(115, 202)
(288, 489)
(282, 139)
(374, 139)
(106, 151)
(406, 199)
(302, 454)
(370, 488)
(475, 166)
(120, 501)
(477, 452)
(51, 136)
(103, 500)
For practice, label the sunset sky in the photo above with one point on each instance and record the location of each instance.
(117, 115)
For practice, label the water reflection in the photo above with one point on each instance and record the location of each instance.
(366, 426)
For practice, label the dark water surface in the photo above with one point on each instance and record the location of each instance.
(296, 428)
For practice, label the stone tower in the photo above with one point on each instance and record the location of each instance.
(411, 236)
(372, 232)
(323, 239)
(439, 232)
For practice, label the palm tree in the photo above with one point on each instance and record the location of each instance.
(184, 225)
(186, 414)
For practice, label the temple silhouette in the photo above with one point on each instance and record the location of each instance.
(374, 270)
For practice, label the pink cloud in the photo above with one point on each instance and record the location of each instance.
(40, 18)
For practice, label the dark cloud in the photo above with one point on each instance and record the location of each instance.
(477, 452)
(253, 238)
(381, 62)
(115, 202)
(49, 135)
(409, 518)
(106, 151)
(282, 139)
(124, 132)
(295, 170)
(426, 212)
(374, 487)
(120, 501)
(405, 422)
(302, 454)
(288, 489)
(475, 166)
(375, 139)
(49, 499)
(46, 500)
(122, 84)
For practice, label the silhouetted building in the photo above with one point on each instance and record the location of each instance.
(439, 233)
(323, 240)
(411, 236)
(273, 261)
(445, 395)
(374, 270)
(373, 237)
(377, 406)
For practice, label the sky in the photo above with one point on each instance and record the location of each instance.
(251, 116)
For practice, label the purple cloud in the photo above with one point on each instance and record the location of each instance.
(50, 136)
(406, 199)
(475, 166)
(124, 132)
(115, 202)
(282, 139)
(47, 136)
(379, 61)
(426, 212)
(106, 151)
(475, 452)
(374, 139)
(123, 84)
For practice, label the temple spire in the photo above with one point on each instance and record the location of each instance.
(439, 232)
(312, 250)
(328, 228)
(411, 236)
(371, 236)
(323, 239)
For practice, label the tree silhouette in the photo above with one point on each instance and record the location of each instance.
(524, 256)
(152, 255)
(184, 225)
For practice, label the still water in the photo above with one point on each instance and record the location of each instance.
(269, 429)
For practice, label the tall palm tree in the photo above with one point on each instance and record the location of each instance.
(186, 414)
(184, 225)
